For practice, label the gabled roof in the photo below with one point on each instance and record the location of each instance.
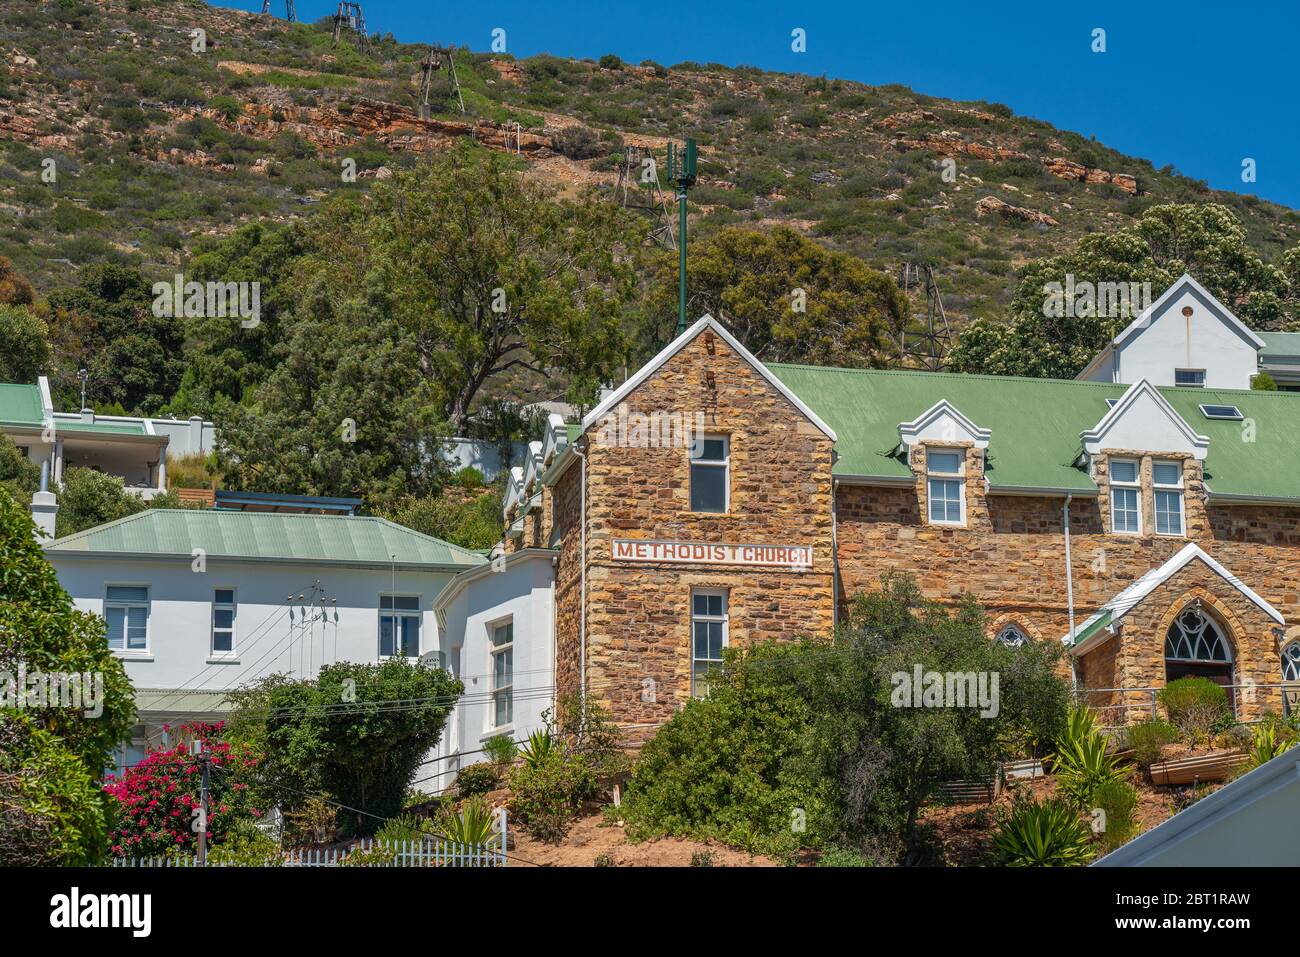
(1182, 284)
(1280, 347)
(265, 536)
(1092, 631)
(1095, 439)
(650, 368)
(923, 426)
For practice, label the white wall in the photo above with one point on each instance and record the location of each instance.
(1172, 342)
(266, 642)
(521, 592)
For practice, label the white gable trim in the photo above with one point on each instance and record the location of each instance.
(1157, 308)
(943, 422)
(1094, 438)
(650, 368)
(1136, 593)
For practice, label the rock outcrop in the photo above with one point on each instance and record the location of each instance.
(991, 204)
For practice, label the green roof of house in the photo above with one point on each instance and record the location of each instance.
(76, 426)
(267, 536)
(20, 404)
(1279, 345)
(1035, 425)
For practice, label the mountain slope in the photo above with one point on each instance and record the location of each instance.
(154, 145)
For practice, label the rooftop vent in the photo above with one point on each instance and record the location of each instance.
(1229, 412)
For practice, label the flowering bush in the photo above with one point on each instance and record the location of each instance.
(158, 799)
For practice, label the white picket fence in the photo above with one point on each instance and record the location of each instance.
(427, 852)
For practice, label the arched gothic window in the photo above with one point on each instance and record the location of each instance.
(1194, 636)
(1291, 661)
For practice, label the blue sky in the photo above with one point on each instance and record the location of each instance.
(1200, 86)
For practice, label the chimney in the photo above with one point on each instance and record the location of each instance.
(44, 506)
(196, 434)
(88, 416)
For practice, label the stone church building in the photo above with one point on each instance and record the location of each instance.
(1150, 526)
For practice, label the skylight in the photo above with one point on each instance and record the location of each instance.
(1230, 412)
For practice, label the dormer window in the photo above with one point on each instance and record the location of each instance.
(946, 486)
(1125, 497)
(1167, 482)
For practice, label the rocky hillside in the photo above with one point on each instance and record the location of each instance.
(124, 135)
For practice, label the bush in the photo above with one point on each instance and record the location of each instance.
(1196, 706)
(477, 779)
(1147, 738)
(469, 478)
(1271, 737)
(500, 749)
(546, 795)
(1050, 834)
(1116, 801)
(843, 857)
(578, 143)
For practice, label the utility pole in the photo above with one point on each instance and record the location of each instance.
(205, 760)
(83, 375)
(681, 170)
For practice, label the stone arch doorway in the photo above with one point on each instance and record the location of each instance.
(1197, 645)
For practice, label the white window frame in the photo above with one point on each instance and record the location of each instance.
(724, 619)
(493, 651)
(1190, 385)
(1159, 488)
(233, 605)
(958, 478)
(1135, 487)
(723, 463)
(398, 613)
(126, 651)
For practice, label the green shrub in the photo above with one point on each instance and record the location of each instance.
(469, 478)
(1270, 737)
(1116, 801)
(1050, 834)
(403, 828)
(1196, 706)
(548, 790)
(477, 779)
(1147, 738)
(473, 825)
(500, 749)
(843, 857)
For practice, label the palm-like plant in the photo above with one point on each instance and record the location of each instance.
(1082, 763)
(472, 826)
(541, 745)
(1268, 741)
(1050, 834)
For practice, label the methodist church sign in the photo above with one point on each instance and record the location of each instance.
(798, 557)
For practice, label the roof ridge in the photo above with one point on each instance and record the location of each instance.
(924, 373)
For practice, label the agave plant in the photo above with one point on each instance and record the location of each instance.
(1268, 741)
(472, 825)
(541, 745)
(1082, 763)
(1051, 834)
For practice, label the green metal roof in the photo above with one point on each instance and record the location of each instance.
(269, 536)
(573, 430)
(1279, 345)
(76, 427)
(1035, 422)
(1035, 425)
(181, 701)
(20, 404)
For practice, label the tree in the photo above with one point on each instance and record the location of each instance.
(482, 273)
(342, 734)
(15, 290)
(157, 801)
(346, 411)
(224, 359)
(814, 731)
(51, 755)
(468, 522)
(24, 351)
(1206, 241)
(785, 297)
(88, 498)
(19, 474)
(105, 324)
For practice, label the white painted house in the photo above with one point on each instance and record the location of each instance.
(134, 449)
(201, 601)
(496, 628)
(1187, 337)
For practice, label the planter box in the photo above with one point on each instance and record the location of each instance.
(1215, 766)
(1017, 770)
